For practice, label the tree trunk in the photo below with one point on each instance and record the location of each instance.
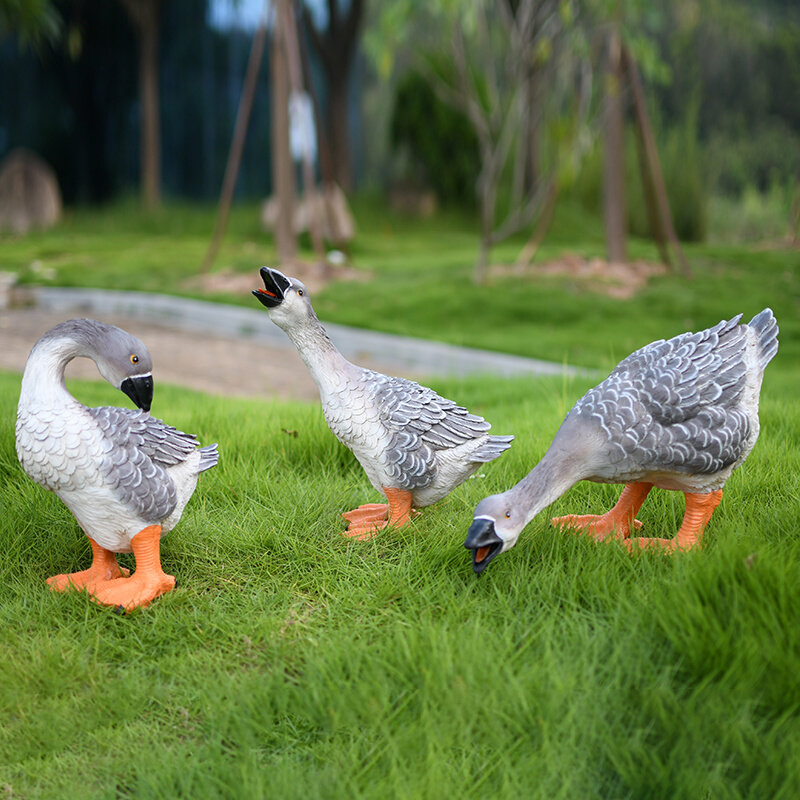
(339, 130)
(337, 47)
(146, 18)
(614, 195)
(282, 166)
(237, 145)
(652, 176)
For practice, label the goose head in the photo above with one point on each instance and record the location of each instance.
(123, 360)
(496, 526)
(286, 299)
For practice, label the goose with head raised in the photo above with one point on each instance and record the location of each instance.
(125, 475)
(680, 414)
(414, 445)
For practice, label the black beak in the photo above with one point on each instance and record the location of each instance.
(275, 286)
(484, 543)
(140, 390)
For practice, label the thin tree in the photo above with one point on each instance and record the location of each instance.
(146, 18)
(494, 66)
(337, 44)
(615, 206)
(237, 143)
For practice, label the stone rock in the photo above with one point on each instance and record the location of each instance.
(29, 193)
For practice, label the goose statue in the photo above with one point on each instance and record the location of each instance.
(414, 445)
(125, 475)
(680, 414)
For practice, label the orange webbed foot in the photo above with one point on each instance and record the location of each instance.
(138, 591)
(699, 509)
(647, 543)
(598, 526)
(618, 522)
(104, 568)
(147, 582)
(365, 521)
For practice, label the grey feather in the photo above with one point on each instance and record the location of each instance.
(672, 405)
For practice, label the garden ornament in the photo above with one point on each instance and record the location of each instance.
(125, 475)
(680, 414)
(414, 445)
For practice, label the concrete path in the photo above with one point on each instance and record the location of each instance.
(231, 350)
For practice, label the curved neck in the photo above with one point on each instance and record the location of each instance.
(316, 349)
(543, 485)
(43, 380)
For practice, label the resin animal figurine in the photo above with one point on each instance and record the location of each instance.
(125, 475)
(414, 445)
(680, 414)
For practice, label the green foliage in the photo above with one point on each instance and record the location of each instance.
(440, 141)
(292, 662)
(741, 60)
(682, 165)
(35, 22)
(766, 156)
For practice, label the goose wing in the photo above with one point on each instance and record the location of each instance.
(420, 423)
(675, 405)
(137, 452)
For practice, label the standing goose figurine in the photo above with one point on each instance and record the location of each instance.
(414, 445)
(680, 414)
(124, 475)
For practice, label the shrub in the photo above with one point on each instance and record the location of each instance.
(439, 140)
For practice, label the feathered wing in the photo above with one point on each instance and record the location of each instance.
(674, 404)
(420, 423)
(137, 452)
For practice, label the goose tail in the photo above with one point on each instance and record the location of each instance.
(491, 448)
(209, 455)
(766, 328)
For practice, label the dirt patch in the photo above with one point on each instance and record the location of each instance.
(314, 275)
(619, 280)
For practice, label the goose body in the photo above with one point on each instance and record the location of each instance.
(125, 475)
(680, 414)
(414, 445)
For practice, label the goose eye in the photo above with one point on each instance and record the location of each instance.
(300, 292)
(508, 515)
(134, 359)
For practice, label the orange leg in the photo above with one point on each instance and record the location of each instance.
(619, 521)
(699, 508)
(104, 568)
(365, 521)
(147, 582)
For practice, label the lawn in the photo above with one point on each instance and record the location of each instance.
(294, 663)
(420, 279)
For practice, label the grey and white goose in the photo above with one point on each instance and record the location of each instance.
(680, 414)
(125, 475)
(414, 445)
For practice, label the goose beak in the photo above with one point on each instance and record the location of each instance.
(484, 543)
(275, 286)
(140, 389)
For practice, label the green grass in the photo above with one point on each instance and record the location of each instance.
(293, 663)
(421, 279)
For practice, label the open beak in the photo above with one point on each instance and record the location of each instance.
(140, 390)
(484, 543)
(275, 286)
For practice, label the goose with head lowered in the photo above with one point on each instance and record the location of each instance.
(414, 445)
(125, 475)
(680, 414)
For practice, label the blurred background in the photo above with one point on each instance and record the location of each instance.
(497, 109)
